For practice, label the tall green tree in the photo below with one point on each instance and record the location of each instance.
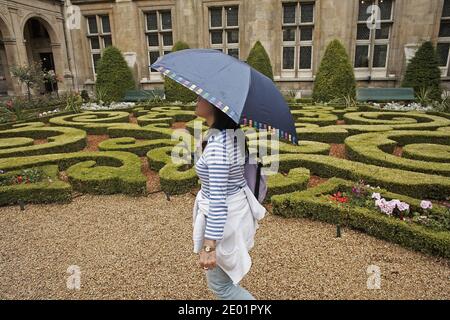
(173, 90)
(335, 78)
(423, 72)
(259, 59)
(114, 77)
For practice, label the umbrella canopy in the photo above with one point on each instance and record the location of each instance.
(244, 94)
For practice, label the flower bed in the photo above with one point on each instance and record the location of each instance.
(320, 203)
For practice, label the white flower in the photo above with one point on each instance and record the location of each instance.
(376, 195)
(426, 205)
(403, 206)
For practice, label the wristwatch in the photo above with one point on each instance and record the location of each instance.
(208, 249)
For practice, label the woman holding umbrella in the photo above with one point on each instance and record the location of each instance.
(229, 227)
(226, 212)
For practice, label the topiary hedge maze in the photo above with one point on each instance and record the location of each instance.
(405, 154)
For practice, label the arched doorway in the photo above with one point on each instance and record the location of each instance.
(38, 44)
(5, 78)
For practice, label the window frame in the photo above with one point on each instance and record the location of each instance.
(225, 46)
(296, 72)
(372, 42)
(161, 48)
(444, 40)
(100, 35)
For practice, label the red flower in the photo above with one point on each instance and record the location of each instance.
(338, 197)
(19, 179)
(9, 104)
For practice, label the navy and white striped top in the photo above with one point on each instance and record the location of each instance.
(221, 172)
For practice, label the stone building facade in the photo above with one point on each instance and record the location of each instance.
(379, 35)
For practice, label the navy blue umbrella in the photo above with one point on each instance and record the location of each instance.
(244, 94)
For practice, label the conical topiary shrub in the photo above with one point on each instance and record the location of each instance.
(114, 77)
(335, 78)
(259, 59)
(173, 90)
(423, 72)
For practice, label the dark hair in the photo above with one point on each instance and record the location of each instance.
(224, 122)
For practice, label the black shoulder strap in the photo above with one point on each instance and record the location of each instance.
(258, 180)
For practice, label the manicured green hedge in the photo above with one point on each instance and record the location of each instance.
(91, 172)
(114, 77)
(259, 60)
(173, 90)
(93, 122)
(414, 184)
(310, 204)
(174, 178)
(129, 144)
(320, 118)
(423, 72)
(177, 179)
(331, 134)
(296, 180)
(427, 152)
(403, 121)
(169, 115)
(377, 149)
(19, 142)
(335, 78)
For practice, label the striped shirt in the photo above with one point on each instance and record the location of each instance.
(221, 172)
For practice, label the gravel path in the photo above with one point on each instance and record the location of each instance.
(140, 248)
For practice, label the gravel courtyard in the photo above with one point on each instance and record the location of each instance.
(140, 248)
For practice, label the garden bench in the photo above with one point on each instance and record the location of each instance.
(385, 94)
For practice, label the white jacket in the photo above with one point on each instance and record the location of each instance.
(244, 212)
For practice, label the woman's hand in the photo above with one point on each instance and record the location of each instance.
(208, 259)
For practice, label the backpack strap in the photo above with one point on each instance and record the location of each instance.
(258, 180)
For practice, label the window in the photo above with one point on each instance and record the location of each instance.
(373, 36)
(224, 29)
(159, 34)
(298, 32)
(99, 37)
(443, 44)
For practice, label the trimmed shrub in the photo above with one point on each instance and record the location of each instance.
(173, 90)
(174, 178)
(93, 122)
(335, 78)
(91, 172)
(423, 72)
(320, 118)
(296, 180)
(114, 77)
(414, 184)
(408, 121)
(377, 149)
(19, 142)
(139, 147)
(259, 60)
(177, 178)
